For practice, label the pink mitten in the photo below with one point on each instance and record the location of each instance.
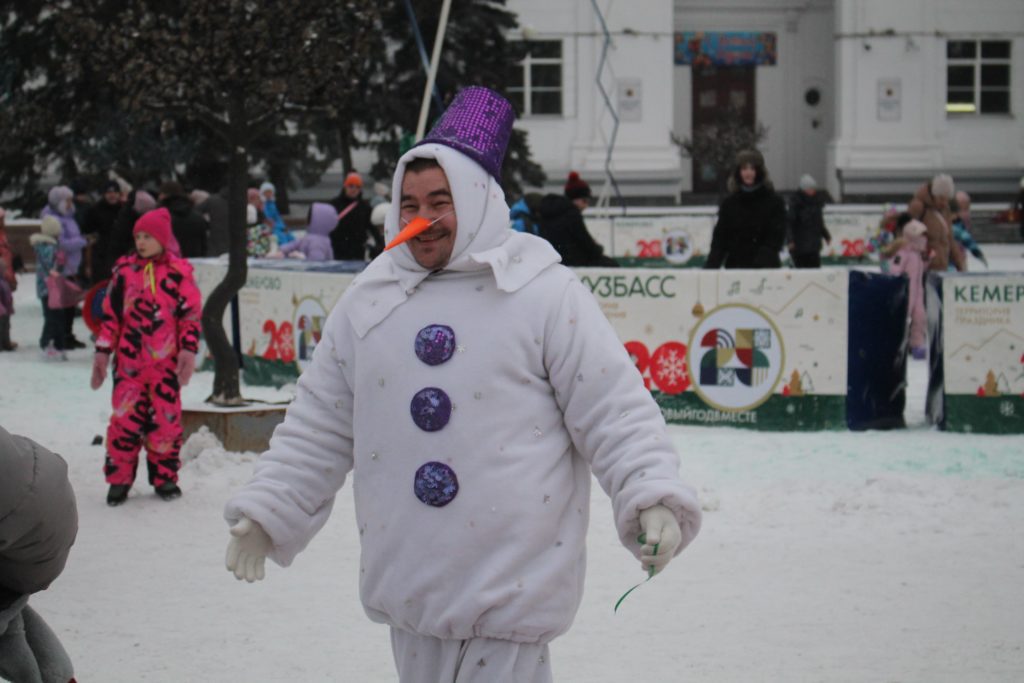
(186, 366)
(99, 369)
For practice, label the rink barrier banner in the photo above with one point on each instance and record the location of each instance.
(982, 352)
(877, 356)
(683, 239)
(674, 241)
(283, 306)
(752, 349)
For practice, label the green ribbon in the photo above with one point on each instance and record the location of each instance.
(650, 575)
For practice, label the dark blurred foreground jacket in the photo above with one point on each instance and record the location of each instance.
(38, 525)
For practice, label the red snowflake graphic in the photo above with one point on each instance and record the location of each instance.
(668, 368)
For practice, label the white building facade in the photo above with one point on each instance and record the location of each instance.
(868, 96)
(928, 85)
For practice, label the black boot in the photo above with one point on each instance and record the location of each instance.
(117, 494)
(168, 490)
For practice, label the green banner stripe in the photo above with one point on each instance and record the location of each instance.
(985, 414)
(778, 413)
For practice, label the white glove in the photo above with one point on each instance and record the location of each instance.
(247, 550)
(661, 537)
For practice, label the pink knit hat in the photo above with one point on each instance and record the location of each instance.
(158, 224)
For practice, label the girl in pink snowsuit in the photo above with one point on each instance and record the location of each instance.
(151, 323)
(912, 260)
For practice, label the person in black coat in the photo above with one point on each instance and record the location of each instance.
(214, 210)
(122, 242)
(751, 220)
(354, 228)
(805, 228)
(100, 220)
(190, 228)
(560, 219)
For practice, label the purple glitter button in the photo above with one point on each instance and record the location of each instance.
(431, 409)
(435, 484)
(435, 344)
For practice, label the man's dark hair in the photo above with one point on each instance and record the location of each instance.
(420, 164)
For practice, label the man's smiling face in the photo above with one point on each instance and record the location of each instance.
(426, 193)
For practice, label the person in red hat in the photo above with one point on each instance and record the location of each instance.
(354, 229)
(151, 326)
(561, 223)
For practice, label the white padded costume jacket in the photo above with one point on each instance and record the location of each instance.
(472, 498)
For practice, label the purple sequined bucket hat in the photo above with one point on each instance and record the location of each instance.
(477, 123)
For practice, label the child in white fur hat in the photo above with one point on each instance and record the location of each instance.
(49, 262)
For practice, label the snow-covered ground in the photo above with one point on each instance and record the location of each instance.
(836, 556)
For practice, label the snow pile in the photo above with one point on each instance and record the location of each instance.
(199, 441)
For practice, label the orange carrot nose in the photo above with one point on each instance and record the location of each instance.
(413, 228)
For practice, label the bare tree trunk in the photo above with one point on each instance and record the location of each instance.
(345, 139)
(225, 381)
(278, 173)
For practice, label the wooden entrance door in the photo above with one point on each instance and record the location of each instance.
(716, 90)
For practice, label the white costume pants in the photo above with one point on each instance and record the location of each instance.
(424, 659)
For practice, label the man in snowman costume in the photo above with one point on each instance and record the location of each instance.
(470, 384)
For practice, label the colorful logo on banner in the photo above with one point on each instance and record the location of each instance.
(310, 317)
(678, 247)
(736, 357)
(731, 48)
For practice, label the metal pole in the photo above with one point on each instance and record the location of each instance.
(435, 57)
(422, 49)
(611, 110)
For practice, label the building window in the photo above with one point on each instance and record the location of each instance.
(978, 77)
(535, 84)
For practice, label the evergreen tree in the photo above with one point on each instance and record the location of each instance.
(211, 92)
(236, 69)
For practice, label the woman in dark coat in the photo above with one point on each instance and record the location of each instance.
(751, 223)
